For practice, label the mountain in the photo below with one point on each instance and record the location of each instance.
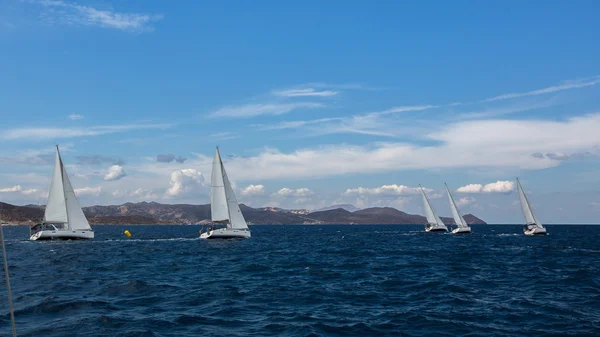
(348, 207)
(156, 213)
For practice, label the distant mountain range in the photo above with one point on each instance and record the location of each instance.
(347, 207)
(156, 213)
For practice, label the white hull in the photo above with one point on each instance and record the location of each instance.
(62, 235)
(223, 233)
(436, 229)
(462, 230)
(535, 231)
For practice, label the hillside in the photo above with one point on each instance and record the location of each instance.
(156, 213)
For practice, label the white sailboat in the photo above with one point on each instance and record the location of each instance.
(532, 225)
(224, 207)
(63, 217)
(461, 225)
(434, 223)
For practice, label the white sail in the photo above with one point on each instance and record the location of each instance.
(218, 199)
(432, 218)
(458, 218)
(236, 218)
(77, 220)
(526, 207)
(223, 203)
(56, 210)
(62, 205)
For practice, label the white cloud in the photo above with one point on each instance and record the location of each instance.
(404, 109)
(143, 194)
(251, 110)
(115, 172)
(57, 133)
(308, 92)
(251, 190)
(465, 201)
(573, 84)
(468, 144)
(88, 191)
(184, 181)
(294, 124)
(75, 117)
(30, 191)
(384, 190)
(297, 193)
(15, 188)
(471, 188)
(73, 14)
(497, 187)
(224, 136)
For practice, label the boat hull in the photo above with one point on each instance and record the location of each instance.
(223, 233)
(436, 229)
(462, 230)
(535, 231)
(62, 235)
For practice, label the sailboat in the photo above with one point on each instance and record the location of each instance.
(63, 217)
(532, 224)
(434, 223)
(461, 225)
(224, 208)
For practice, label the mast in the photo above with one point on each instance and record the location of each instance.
(218, 198)
(226, 197)
(7, 276)
(62, 176)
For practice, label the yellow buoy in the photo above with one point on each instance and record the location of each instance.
(126, 232)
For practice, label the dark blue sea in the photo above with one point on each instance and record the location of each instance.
(307, 281)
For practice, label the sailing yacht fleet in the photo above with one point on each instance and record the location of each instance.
(64, 218)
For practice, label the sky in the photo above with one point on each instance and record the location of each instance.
(311, 103)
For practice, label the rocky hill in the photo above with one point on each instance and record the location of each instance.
(156, 213)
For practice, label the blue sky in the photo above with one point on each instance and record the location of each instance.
(311, 103)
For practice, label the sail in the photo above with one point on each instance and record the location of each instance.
(77, 220)
(458, 218)
(526, 207)
(218, 200)
(236, 218)
(56, 210)
(432, 218)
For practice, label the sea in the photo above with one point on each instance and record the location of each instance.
(306, 280)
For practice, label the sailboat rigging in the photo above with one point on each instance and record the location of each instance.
(434, 223)
(532, 225)
(224, 208)
(63, 217)
(461, 225)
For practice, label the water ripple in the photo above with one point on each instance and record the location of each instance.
(307, 281)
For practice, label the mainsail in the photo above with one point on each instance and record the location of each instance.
(223, 204)
(458, 218)
(530, 217)
(62, 206)
(432, 218)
